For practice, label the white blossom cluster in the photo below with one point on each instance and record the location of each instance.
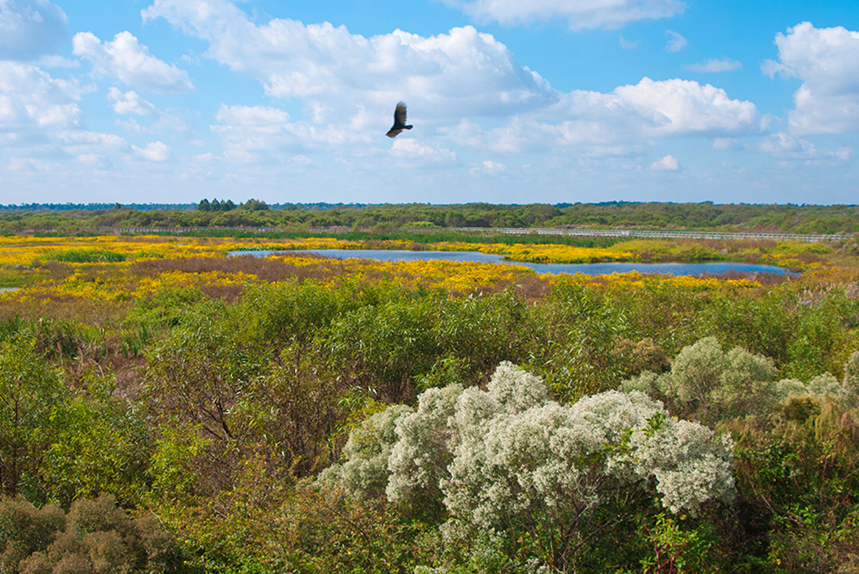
(561, 459)
(499, 454)
(739, 382)
(364, 474)
(419, 459)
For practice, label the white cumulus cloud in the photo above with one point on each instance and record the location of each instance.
(667, 163)
(247, 116)
(600, 121)
(254, 133)
(580, 15)
(683, 107)
(80, 142)
(788, 147)
(131, 63)
(130, 103)
(715, 66)
(488, 168)
(154, 151)
(134, 127)
(410, 152)
(827, 62)
(339, 75)
(464, 89)
(30, 29)
(31, 101)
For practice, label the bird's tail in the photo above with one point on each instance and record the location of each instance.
(407, 127)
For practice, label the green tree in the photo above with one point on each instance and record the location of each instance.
(102, 445)
(31, 393)
(254, 205)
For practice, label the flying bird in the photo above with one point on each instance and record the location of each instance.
(399, 121)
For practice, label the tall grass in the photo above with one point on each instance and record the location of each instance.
(86, 256)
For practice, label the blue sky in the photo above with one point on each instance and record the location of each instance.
(171, 101)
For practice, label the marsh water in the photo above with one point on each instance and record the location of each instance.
(586, 268)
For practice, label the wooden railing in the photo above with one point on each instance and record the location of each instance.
(573, 232)
(652, 234)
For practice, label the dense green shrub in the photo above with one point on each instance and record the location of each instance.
(95, 537)
(800, 468)
(204, 367)
(390, 347)
(102, 444)
(290, 312)
(167, 307)
(30, 391)
(25, 530)
(763, 325)
(577, 330)
(382, 348)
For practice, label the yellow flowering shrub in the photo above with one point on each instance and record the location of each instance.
(636, 280)
(557, 253)
(30, 250)
(790, 261)
(433, 274)
(109, 283)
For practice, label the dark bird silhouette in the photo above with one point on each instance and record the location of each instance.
(399, 121)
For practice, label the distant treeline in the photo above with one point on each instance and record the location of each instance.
(94, 206)
(388, 217)
(158, 206)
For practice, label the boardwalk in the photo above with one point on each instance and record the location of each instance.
(573, 232)
(651, 234)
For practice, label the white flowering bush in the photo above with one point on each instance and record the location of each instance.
(419, 459)
(364, 474)
(689, 464)
(553, 461)
(713, 384)
(508, 457)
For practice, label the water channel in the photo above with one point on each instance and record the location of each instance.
(586, 268)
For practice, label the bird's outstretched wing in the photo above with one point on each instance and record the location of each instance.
(399, 121)
(400, 115)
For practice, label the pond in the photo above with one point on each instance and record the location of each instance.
(586, 268)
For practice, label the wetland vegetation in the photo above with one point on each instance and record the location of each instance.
(167, 408)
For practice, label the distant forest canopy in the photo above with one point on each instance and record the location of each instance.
(387, 217)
